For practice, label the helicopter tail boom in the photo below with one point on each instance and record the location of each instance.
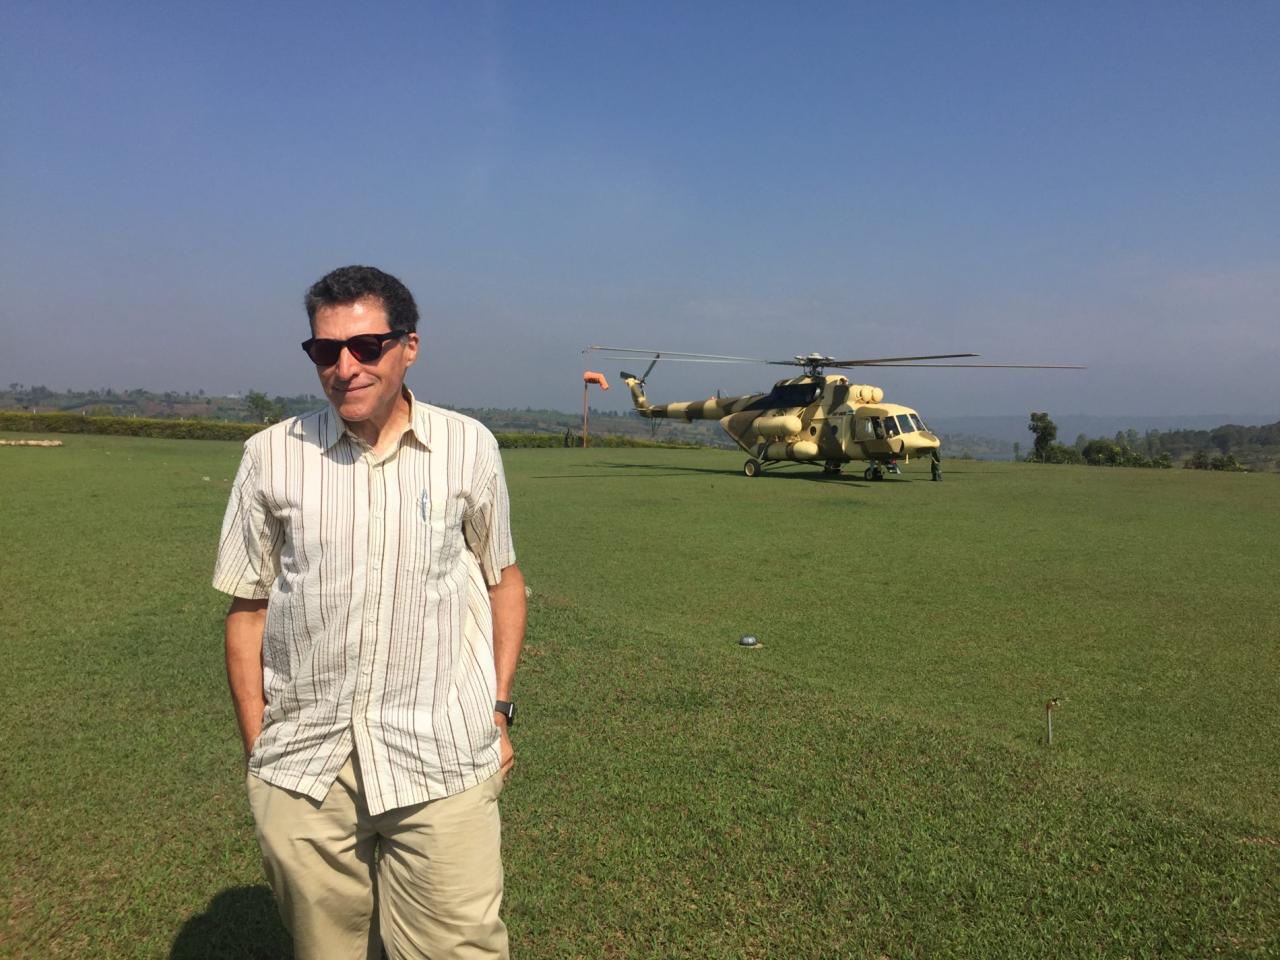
(712, 408)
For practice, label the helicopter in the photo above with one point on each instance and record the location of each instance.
(815, 418)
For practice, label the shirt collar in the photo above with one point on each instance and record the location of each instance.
(333, 428)
(418, 420)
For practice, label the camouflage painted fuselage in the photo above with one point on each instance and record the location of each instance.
(813, 419)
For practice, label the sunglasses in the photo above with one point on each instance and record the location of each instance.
(366, 348)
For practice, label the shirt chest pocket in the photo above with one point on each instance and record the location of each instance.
(436, 535)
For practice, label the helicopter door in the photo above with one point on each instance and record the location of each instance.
(870, 434)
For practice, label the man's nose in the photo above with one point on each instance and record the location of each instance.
(348, 366)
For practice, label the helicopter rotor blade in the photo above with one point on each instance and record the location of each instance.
(665, 357)
(983, 366)
(628, 353)
(673, 355)
(886, 360)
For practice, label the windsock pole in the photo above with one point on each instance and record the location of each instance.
(589, 377)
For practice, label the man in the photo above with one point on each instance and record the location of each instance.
(376, 619)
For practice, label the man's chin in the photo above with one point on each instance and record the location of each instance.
(352, 407)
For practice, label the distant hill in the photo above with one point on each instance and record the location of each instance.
(973, 446)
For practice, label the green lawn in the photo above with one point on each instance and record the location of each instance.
(872, 781)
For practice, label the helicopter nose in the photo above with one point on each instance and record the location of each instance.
(922, 443)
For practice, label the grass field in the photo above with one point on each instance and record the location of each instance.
(870, 782)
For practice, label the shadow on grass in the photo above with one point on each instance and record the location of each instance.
(795, 471)
(636, 471)
(652, 471)
(241, 922)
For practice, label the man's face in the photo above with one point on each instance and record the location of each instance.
(361, 391)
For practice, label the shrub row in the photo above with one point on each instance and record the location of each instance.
(126, 426)
(1100, 453)
(508, 440)
(222, 430)
(1202, 461)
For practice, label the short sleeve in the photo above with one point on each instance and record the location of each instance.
(487, 525)
(249, 548)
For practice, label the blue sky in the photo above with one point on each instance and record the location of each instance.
(1091, 183)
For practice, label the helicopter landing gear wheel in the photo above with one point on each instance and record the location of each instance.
(935, 468)
(873, 472)
(751, 468)
(831, 469)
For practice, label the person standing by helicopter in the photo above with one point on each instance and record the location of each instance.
(377, 615)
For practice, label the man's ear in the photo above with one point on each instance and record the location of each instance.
(411, 342)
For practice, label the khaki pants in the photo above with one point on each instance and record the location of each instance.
(427, 877)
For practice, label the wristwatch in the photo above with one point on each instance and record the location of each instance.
(508, 709)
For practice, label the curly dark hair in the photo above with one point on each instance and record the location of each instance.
(349, 284)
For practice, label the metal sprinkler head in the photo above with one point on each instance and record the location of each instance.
(748, 640)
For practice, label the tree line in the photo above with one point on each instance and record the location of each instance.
(1230, 447)
(257, 408)
(254, 407)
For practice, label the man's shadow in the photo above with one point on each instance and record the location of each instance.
(241, 923)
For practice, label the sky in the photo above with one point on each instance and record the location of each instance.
(1092, 183)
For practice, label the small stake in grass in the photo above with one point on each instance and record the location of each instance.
(1048, 719)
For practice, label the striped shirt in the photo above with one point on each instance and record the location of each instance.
(379, 634)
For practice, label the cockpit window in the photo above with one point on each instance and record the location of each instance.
(789, 395)
(890, 426)
(915, 418)
(872, 428)
(904, 421)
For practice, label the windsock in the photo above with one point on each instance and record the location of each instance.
(590, 376)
